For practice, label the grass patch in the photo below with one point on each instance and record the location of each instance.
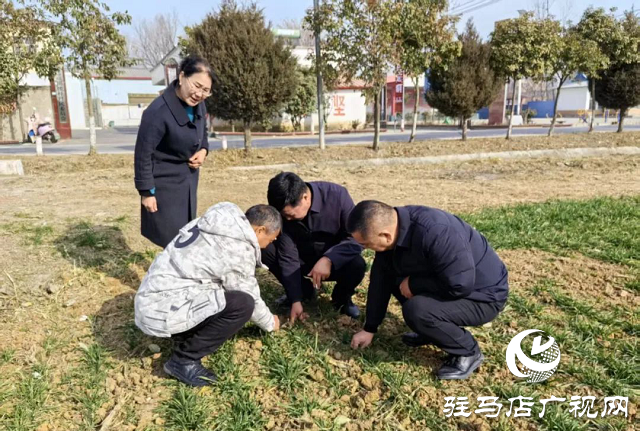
(285, 367)
(33, 234)
(28, 400)
(90, 393)
(607, 229)
(7, 356)
(186, 411)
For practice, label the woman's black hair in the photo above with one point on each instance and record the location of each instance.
(193, 64)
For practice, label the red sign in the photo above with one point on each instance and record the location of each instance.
(338, 106)
(398, 94)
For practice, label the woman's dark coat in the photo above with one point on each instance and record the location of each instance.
(166, 141)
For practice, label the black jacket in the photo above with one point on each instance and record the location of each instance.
(442, 256)
(166, 140)
(322, 233)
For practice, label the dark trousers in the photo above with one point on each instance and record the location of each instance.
(441, 319)
(209, 335)
(347, 278)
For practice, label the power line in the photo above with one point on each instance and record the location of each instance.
(477, 7)
(463, 5)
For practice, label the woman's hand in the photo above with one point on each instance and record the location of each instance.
(197, 159)
(150, 203)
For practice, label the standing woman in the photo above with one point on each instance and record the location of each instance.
(170, 148)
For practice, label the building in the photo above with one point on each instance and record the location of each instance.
(45, 97)
(393, 98)
(166, 71)
(119, 102)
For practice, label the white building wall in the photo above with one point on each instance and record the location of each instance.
(301, 53)
(116, 92)
(346, 106)
(75, 100)
(114, 96)
(574, 99)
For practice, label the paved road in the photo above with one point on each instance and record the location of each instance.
(122, 140)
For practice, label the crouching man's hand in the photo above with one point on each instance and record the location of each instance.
(297, 313)
(361, 339)
(276, 323)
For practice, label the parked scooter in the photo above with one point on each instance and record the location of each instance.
(40, 129)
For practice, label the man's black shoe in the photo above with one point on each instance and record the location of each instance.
(348, 308)
(192, 373)
(459, 367)
(412, 339)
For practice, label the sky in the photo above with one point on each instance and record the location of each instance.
(278, 10)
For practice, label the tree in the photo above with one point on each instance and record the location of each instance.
(574, 54)
(523, 47)
(358, 43)
(425, 42)
(91, 43)
(467, 83)
(619, 88)
(619, 43)
(154, 38)
(26, 45)
(303, 102)
(254, 72)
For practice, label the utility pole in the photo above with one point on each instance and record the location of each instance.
(547, 9)
(316, 9)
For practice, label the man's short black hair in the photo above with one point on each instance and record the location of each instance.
(365, 214)
(265, 215)
(285, 189)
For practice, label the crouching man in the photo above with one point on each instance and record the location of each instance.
(444, 273)
(201, 289)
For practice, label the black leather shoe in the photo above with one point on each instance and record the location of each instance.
(412, 339)
(192, 373)
(348, 308)
(459, 367)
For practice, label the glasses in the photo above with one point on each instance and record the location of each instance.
(205, 92)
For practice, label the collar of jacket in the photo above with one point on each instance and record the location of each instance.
(404, 223)
(175, 105)
(316, 203)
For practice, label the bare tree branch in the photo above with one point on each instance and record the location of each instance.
(154, 38)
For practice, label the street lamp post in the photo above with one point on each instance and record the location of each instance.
(319, 80)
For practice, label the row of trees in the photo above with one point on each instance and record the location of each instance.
(602, 47)
(257, 76)
(365, 38)
(42, 35)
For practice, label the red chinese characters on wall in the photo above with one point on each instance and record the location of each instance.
(338, 106)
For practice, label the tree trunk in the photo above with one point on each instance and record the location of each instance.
(593, 104)
(93, 150)
(555, 110)
(464, 128)
(247, 136)
(513, 105)
(414, 126)
(623, 112)
(376, 121)
(23, 135)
